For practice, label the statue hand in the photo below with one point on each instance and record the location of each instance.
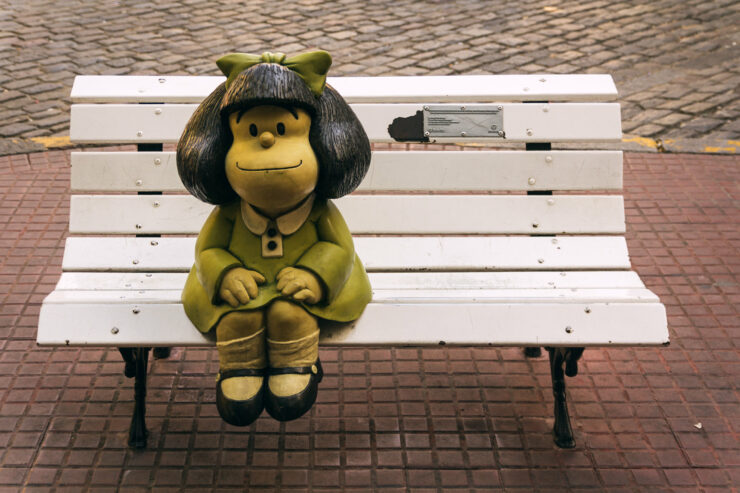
(239, 285)
(300, 284)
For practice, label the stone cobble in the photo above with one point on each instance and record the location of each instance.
(675, 63)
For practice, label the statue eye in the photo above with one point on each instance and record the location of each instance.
(281, 128)
(253, 130)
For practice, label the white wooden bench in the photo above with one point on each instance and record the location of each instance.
(493, 252)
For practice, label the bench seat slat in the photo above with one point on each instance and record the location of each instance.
(379, 254)
(523, 122)
(112, 281)
(386, 295)
(482, 88)
(371, 214)
(479, 323)
(389, 171)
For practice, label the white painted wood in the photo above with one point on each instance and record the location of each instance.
(388, 296)
(138, 214)
(389, 171)
(449, 253)
(128, 123)
(479, 323)
(372, 214)
(555, 122)
(154, 123)
(494, 170)
(125, 171)
(483, 214)
(451, 88)
(112, 281)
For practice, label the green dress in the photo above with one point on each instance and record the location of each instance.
(321, 244)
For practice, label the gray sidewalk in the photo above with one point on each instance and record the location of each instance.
(675, 62)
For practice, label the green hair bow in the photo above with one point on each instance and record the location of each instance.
(311, 67)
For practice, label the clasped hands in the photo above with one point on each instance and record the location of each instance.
(240, 285)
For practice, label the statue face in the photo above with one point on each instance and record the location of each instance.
(271, 164)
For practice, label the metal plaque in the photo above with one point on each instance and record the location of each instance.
(450, 121)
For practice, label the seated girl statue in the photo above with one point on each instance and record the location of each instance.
(270, 147)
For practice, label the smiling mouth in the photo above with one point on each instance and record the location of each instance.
(270, 169)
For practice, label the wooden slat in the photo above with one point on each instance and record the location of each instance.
(372, 214)
(389, 171)
(112, 281)
(475, 253)
(523, 122)
(531, 323)
(390, 296)
(458, 88)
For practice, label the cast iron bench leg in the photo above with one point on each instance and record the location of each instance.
(136, 366)
(562, 431)
(532, 352)
(161, 352)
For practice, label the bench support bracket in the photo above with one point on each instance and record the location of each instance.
(136, 366)
(559, 356)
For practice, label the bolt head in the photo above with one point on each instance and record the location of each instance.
(569, 329)
(531, 181)
(114, 330)
(157, 161)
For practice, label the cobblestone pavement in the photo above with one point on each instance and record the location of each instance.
(675, 62)
(437, 419)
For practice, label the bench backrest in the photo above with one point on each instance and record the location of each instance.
(410, 189)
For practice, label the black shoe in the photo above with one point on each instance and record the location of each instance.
(239, 413)
(296, 405)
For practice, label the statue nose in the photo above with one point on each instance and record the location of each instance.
(267, 139)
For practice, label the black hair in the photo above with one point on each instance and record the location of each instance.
(336, 136)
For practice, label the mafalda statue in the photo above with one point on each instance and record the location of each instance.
(269, 148)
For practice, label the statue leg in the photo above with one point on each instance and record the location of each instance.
(240, 340)
(295, 369)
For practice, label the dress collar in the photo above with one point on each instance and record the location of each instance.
(287, 224)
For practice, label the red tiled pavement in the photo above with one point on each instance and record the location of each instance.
(395, 419)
